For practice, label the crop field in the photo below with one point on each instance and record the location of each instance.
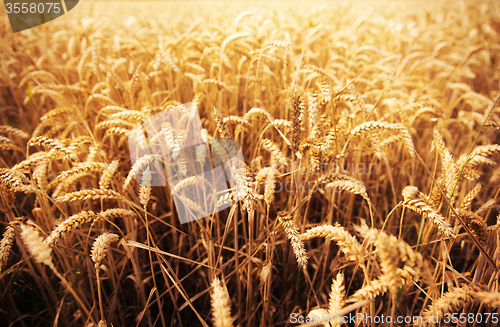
(367, 187)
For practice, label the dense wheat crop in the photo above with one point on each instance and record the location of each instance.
(370, 138)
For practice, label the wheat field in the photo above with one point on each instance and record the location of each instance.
(370, 134)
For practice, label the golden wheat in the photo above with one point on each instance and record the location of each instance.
(326, 100)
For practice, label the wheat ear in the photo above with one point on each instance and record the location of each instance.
(52, 144)
(8, 144)
(490, 298)
(467, 201)
(138, 166)
(450, 302)
(388, 258)
(337, 295)
(277, 156)
(72, 222)
(318, 315)
(418, 202)
(296, 120)
(476, 224)
(107, 175)
(7, 240)
(270, 186)
(449, 167)
(100, 247)
(351, 186)
(145, 189)
(221, 305)
(34, 242)
(93, 194)
(42, 254)
(292, 231)
(221, 125)
(346, 242)
(99, 251)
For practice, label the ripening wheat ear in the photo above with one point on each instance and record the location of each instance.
(221, 125)
(42, 254)
(78, 169)
(138, 166)
(449, 167)
(371, 127)
(99, 251)
(100, 247)
(8, 144)
(388, 255)
(476, 224)
(7, 240)
(52, 144)
(270, 186)
(393, 252)
(277, 156)
(34, 242)
(14, 180)
(296, 120)
(107, 175)
(451, 302)
(469, 197)
(292, 231)
(93, 194)
(221, 305)
(419, 202)
(318, 315)
(351, 186)
(7, 129)
(72, 222)
(346, 242)
(145, 190)
(489, 298)
(312, 110)
(337, 295)
(478, 155)
(372, 289)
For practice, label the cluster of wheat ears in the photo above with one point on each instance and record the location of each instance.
(369, 135)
